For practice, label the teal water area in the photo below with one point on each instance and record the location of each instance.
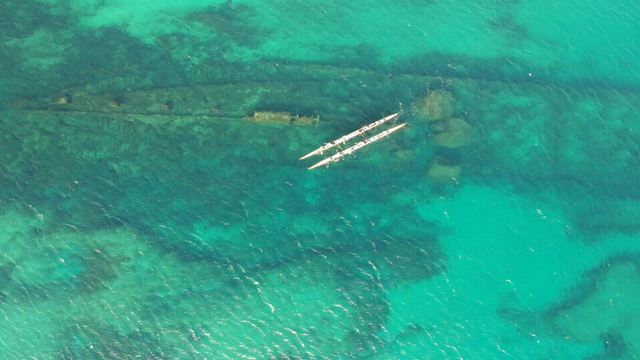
(152, 204)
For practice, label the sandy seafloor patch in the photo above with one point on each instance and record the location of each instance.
(142, 215)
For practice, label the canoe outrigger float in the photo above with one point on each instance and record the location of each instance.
(360, 132)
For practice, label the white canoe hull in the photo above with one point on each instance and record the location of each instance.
(338, 156)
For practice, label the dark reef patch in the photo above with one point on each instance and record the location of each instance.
(559, 320)
(614, 348)
(20, 18)
(233, 23)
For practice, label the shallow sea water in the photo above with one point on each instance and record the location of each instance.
(146, 212)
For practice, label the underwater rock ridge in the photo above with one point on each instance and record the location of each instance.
(602, 307)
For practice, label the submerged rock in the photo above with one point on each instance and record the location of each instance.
(442, 172)
(453, 133)
(438, 105)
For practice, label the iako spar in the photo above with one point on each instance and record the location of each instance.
(350, 150)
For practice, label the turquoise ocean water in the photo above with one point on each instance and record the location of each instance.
(152, 204)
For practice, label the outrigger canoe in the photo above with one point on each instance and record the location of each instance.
(337, 157)
(350, 150)
(344, 139)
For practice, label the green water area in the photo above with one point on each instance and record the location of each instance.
(153, 204)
